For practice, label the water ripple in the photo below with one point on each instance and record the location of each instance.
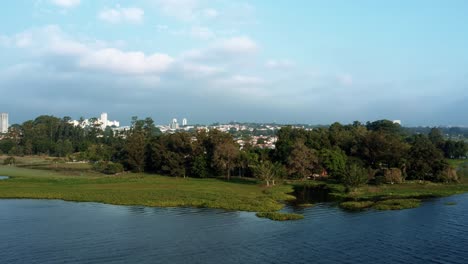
(35, 231)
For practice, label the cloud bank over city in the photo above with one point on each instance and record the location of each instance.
(302, 62)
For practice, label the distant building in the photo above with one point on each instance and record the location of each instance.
(174, 124)
(3, 122)
(103, 122)
(184, 122)
(106, 123)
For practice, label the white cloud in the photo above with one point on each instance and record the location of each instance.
(5, 41)
(181, 9)
(200, 70)
(120, 15)
(279, 64)
(242, 80)
(237, 45)
(118, 61)
(210, 13)
(162, 28)
(66, 3)
(90, 55)
(202, 33)
(345, 79)
(23, 40)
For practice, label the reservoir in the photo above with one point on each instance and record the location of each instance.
(53, 231)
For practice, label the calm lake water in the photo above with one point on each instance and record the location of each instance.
(40, 231)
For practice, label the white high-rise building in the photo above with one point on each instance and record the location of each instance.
(174, 124)
(184, 122)
(3, 122)
(104, 120)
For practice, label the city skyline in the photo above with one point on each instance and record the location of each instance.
(219, 61)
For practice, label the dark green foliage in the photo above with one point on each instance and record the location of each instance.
(277, 216)
(426, 161)
(334, 161)
(397, 204)
(108, 167)
(383, 149)
(356, 206)
(302, 162)
(268, 172)
(355, 176)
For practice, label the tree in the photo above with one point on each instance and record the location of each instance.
(334, 161)
(436, 137)
(302, 161)
(425, 160)
(268, 172)
(135, 149)
(225, 156)
(355, 176)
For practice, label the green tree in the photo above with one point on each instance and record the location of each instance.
(354, 176)
(268, 172)
(302, 162)
(135, 146)
(225, 157)
(334, 161)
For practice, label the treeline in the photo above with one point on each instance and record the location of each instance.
(353, 154)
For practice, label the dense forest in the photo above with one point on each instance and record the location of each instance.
(375, 152)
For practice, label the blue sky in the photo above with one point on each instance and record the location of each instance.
(300, 61)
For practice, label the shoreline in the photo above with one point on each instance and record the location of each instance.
(236, 195)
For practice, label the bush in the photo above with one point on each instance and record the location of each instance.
(9, 161)
(356, 206)
(393, 175)
(277, 216)
(397, 204)
(108, 167)
(355, 176)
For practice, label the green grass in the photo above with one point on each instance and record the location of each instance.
(409, 189)
(356, 206)
(277, 216)
(397, 204)
(141, 189)
(456, 162)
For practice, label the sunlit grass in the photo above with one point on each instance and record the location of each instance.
(397, 204)
(277, 216)
(141, 189)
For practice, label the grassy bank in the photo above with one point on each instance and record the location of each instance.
(277, 216)
(387, 196)
(141, 189)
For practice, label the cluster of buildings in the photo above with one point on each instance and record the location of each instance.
(4, 123)
(102, 122)
(175, 125)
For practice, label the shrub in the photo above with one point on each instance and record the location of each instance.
(9, 161)
(277, 216)
(393, 175)
(397, 204)
(108, 167)
(356, 206)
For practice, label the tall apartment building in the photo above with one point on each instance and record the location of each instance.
(3, 122)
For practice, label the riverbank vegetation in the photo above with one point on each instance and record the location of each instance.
(278, 216)
(142, 189)
(376, 161)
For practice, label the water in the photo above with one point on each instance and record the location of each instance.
(52, 231)
(4, 177)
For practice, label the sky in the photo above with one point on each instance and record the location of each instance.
(302, 61)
